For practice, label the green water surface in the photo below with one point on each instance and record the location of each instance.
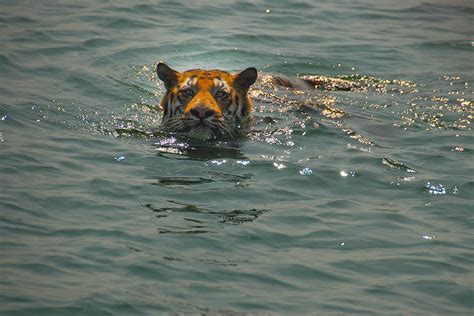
(337, 203)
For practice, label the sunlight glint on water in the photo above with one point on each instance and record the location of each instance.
(351, 198)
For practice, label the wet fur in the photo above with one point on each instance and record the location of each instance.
(206, 91)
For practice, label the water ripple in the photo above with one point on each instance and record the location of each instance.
(353, 187)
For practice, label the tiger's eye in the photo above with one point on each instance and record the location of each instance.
(188, 92)
(221, 94)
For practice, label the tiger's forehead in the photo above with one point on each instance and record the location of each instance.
(206, 78)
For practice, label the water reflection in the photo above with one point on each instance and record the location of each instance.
(181, 218)
(298, 104)
(180, 147)
(397, 165)
(212, 176)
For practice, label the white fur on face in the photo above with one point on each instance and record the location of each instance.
(190, 82)
(220, 84)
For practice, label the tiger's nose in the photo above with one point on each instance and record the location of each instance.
(202, 112)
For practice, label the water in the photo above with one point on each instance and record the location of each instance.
(338, 202)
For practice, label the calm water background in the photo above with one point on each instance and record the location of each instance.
(366, 213)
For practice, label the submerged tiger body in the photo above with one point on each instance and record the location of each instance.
(210, 104)
(206, 104)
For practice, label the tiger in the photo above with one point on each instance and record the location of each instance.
(206, 104)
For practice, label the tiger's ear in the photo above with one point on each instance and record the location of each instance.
(246, 78)
(168, 75)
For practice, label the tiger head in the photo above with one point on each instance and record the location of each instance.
(206, 104)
